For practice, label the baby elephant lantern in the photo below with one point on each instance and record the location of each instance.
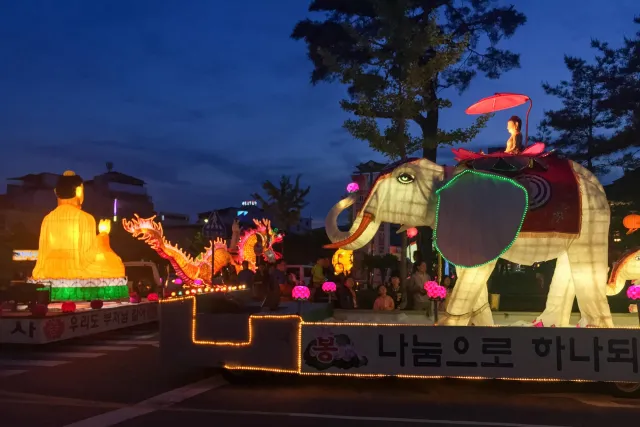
(544, 208)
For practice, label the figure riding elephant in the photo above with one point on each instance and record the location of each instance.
(477, 217)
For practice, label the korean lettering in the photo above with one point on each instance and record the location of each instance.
(73, 323)
(382, 353)
(18, 329)
(542, 347)
(124, 317)
(84, 322)
(325, 349)
(134, 315)
(116, 317)
(461, 346)
(94, 321)
(426, 353)
(107, 318)
(622, 347)
(496, 347)
(142, 313)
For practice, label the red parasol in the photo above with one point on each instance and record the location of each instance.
(502, 101)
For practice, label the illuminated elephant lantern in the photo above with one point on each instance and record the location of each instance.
(526, 208)
(626, 268)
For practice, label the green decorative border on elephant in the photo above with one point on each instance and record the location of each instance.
(478, 217)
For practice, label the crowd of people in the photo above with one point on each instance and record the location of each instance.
(271, 283)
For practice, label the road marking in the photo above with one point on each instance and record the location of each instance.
(101, 347)
(151, 405)
(24, 362)
(356, 418)
(126, 342)
(11, 372)
(146, 337)
(73, 354)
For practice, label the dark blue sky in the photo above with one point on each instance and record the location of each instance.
(206, 99)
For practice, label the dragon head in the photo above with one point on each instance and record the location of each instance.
(145, 229)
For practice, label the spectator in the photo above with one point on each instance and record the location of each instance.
(416, 289)
(317, 279)
(346, 295)
(397, 292)
(246, 276)
(384, 301)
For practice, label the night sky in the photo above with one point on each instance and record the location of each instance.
(204, 100)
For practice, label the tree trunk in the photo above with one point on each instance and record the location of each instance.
(429, 129)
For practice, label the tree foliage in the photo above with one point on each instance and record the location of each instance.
(283, 201)
(581, 124)
(396, 57)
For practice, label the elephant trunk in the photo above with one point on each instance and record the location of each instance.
(362, 231)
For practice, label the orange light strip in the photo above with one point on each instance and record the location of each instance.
(298, 370)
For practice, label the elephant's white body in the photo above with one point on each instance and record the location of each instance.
(581, 269)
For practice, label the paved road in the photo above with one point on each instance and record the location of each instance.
(118, 379)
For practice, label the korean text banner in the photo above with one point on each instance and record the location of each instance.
(507, 352)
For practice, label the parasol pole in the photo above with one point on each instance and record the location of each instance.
(526, 121)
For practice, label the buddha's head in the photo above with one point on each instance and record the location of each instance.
(70, 189)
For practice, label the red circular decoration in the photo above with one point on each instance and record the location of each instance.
(39, 310)
(134, 298)
(497, 102)
(96, 304)
(412, 232)
(53, 329)
(152, 297)
(68, 307)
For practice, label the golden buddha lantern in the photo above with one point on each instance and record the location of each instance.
(79, 264)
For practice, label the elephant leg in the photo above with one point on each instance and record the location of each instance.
(481, 315)
(467, 294)
(557, 311)
(589, 272)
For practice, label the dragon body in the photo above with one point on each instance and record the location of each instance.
(197, 270)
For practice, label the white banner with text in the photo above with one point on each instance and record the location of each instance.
(501, 352)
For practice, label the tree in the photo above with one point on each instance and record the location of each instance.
(397, 56)
(284, 201)
(582, 122)
(429, 45)
(623, 99)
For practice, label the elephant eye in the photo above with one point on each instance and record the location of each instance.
(405, 178)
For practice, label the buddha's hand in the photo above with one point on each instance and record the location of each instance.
(104, 226)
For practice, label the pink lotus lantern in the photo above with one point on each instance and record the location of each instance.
(353, 187)
(329, 288)
(633, 292)
(436, 293)
(300, 293)
(197, 282)
(178, 281)
(412, 232)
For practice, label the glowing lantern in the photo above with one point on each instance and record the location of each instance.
(412, 232)
(68, 307)
(353, 187)
(633, 292)
(134, 298)
(96, 304)
(197, 282)
(39, 310)
(178, 281)
(152, 297)
(329, 287)
(631, 222)
(435, 291)
(78, 263)
(342, 261)
(300, 293)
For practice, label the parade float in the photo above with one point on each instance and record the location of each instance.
(79, 282)
(526, 206)
(196, 273)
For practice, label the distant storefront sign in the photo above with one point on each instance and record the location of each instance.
(25, 255)
(249, 203)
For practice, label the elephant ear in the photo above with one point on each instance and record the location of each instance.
(478, 217)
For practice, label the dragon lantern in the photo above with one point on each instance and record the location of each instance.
(190, 268)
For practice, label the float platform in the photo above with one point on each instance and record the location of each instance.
(21, 327)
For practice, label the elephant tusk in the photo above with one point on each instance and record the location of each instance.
(367, 218)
